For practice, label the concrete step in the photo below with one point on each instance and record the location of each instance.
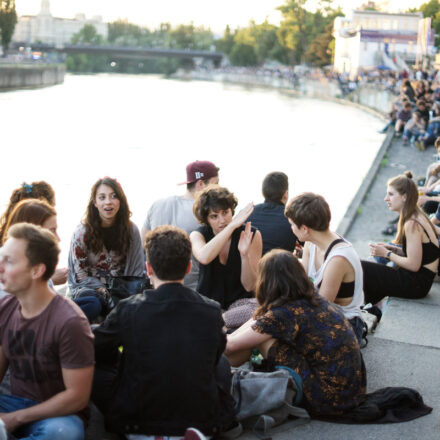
(412, 321)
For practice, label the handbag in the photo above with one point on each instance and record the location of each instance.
(267, 399)
(125, 286)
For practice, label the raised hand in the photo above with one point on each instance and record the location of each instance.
(245, 239)
(242, 216)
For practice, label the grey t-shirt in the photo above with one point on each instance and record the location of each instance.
(175, 211)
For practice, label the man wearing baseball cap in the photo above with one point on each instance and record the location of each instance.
(178, 210)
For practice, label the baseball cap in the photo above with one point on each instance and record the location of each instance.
(200, 170)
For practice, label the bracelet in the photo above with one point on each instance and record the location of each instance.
(388, 254)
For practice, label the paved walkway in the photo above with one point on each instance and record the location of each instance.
(405, 350)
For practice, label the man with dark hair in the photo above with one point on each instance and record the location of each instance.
(172, 374)
(45, 341)
(178, 210)
(268, 217)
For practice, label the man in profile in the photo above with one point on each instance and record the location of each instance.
(172, 374)
(45, 341)
(178, 210)
(269, 218)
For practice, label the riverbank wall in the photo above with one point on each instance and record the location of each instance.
(19, 76)
(370, 97)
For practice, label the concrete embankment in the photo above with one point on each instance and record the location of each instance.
(17, 76)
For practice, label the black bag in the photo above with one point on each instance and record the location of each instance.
(126, 286)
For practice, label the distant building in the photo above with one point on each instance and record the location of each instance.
(366, 39)
(45, 28)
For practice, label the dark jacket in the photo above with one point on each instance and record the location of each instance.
(171, 340)
(269, 219)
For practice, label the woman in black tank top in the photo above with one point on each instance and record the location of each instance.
(228, 251)
(417, 261)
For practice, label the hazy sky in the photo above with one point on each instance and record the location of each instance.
(213, 13)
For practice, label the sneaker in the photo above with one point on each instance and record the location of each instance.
(397, 134)
(194, 434)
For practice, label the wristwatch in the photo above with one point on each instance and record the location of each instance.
(388, 254)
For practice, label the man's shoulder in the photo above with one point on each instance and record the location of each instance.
(8, 302)
(65, 309)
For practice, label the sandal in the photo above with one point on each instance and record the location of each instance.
(390, 230)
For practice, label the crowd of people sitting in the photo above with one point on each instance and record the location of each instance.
(153, 320)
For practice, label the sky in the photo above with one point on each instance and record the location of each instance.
(215, 14)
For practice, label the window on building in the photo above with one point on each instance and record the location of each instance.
(395, 25)
(410, 47)
(365, 45)
(405, 25)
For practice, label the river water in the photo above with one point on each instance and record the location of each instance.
(143, 130)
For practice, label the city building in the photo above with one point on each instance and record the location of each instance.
(44, 28)
(368, 39)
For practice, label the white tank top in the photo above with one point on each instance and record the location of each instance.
(346, 251)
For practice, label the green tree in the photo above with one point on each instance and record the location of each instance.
(8, 20)
(87, 35)
(226, 43)
(293, 29)
(84, 62)
(243, 55)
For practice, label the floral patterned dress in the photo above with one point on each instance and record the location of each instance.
(319, 344)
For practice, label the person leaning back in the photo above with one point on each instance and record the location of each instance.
(45, 340)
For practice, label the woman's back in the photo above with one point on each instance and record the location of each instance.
(318, 343)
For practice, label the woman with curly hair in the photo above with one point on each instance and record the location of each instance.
(294, 327)
(227, 251)
(105, 245)
(35, 190)
(416, 261)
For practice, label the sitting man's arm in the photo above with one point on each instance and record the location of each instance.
(3, 364)
(75, 397)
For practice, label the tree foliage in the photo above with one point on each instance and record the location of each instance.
(8, 20)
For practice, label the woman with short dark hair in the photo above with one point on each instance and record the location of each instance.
(105, 245)
(228, 252)
(296, 328)
(329, 260)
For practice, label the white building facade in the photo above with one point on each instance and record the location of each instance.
(44, 28)
(367, 39)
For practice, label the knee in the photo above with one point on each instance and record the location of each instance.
(64, 428)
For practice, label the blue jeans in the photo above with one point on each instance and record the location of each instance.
(54, 428)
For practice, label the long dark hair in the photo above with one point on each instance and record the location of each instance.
(282, 280)
(404, 185)
(34, 190)
(92, 220)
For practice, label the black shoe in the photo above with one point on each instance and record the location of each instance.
(394, 221)
(390, 230)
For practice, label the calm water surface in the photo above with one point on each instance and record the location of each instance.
(143, 130)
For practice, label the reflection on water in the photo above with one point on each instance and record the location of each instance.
(143, 130)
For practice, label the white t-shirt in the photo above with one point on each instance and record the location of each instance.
(175, 211)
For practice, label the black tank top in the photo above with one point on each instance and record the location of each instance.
(222, 282)
(430, 252)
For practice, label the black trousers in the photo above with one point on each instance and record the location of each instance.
(381, 281)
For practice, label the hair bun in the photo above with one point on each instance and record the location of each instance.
(408, 174)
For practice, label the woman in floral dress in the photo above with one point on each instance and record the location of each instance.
(296, 328)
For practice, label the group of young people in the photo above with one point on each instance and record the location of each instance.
(223, 284)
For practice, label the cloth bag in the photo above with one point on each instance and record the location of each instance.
(267, 399)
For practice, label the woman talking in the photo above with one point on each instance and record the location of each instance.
(105, 245)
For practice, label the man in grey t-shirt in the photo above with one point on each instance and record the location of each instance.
(178, 210)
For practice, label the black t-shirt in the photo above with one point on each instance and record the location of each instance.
(269, 219)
